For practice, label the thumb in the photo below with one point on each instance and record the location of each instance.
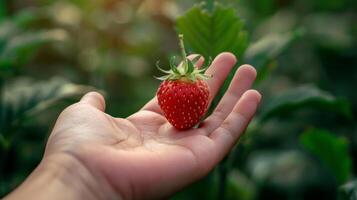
(94, 99)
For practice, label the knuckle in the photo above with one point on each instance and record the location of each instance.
(74, 108)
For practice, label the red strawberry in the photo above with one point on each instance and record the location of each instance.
(183, 95)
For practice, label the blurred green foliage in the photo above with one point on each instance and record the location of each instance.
(329, 148)
(302, 143)
(306, 96)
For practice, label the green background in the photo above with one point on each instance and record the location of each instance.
(302, 143)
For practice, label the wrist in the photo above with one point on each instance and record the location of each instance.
(63, 176)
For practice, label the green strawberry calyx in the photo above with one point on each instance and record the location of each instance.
(187, 71)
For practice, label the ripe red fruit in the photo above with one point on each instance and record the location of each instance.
(183, 95)
(183, 102)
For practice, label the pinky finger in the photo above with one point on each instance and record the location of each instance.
(234, 125)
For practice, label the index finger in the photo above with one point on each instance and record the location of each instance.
(219, 69)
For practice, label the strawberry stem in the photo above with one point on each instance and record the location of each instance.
(183, 53)
(187, 72)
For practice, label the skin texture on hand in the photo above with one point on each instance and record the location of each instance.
(143, 156)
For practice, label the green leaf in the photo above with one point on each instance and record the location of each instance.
(348, 191)
(190, 66)
(19, 49)
(25, 98)
(173, 66)
(210, 33)
(162, 78)
(261, 53)
(302, 97)
(331, 150)
(160, 69)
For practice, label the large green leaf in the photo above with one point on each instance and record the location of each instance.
(331, 150)
(302, 97)
(25, 97)
(261, 53)
(210, 33)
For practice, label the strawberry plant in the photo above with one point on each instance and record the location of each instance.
(183, 94)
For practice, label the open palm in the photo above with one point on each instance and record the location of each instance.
(143, 156)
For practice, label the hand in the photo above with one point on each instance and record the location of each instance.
(143, 156)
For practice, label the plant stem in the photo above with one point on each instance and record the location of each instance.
(183, 52)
